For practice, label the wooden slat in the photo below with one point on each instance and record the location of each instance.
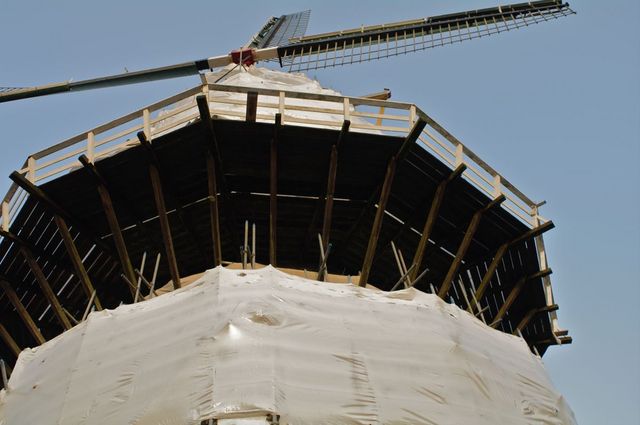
(464, 245)
(22, 311)
(273, 191)
(45, 287)
(431, 220)
(9, 341)
(377, 222)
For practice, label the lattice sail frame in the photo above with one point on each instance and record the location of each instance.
(382, 41)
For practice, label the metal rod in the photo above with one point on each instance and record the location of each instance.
(404, 276)
(155, 275)
(88, 309)
(253, 246)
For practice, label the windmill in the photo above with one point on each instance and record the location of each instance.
(415, 272)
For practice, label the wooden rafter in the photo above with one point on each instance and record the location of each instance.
(533, 313)
(51, 297)
(112, 219)
(158, 195)
(76, 260)
(466, 242)
(22, 311)
(273, 191)
(493, 266)
(431, 219)
(9, 341)
(513, 295)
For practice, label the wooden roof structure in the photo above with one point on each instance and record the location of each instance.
(394, 205)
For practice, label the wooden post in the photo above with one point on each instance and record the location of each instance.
(112, 220)
(252, 106)
(328, 205)
(213, 209)
(466, 242)
(513, 295)
(158, 195)
(377, 222)
(273, 186)
(22, 311)
(431, 218)
(493, 266)
(45, 287)
(76, 260)
(9, 341)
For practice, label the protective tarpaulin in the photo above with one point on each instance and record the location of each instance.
(237, 343)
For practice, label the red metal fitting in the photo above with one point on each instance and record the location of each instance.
(243, 56)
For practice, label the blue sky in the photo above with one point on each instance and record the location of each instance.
(555, 108)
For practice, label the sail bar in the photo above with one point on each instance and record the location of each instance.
(381, 41)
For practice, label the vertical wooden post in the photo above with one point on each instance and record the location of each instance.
(112, 220)
(213, 209)
(9, 341)
(328, 205)
(466, 242)
(22, 311)
(46, 288)
(377, 222)
(252, 106)
(76, 261)
(273, 188)
(165, 227)
(431, 219)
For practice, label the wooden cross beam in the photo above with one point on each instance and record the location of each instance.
(513, 295)
(112, 219)
(158, 195)
(431, 218)
(45, 287)
(466, 242)
(273, 191)
(9, 341)
(493, 266)
(22, 311)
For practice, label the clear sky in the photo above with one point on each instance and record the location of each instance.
(555, 108)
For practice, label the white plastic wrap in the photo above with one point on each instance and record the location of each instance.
(241, 343)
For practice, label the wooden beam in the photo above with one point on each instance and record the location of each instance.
(76, 260)
(410, 139)
(493, 266)
(466, 242)
(45, 287)
(9, 341)
(273, 190)
(112, 220)
(213, 209)
(377, 222)
(22, 311)
(252, 106)
(531, 314)
(158, 195)
(431, 219)
(513, 295)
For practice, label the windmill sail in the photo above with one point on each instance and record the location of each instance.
(381, 41)
(278, 31)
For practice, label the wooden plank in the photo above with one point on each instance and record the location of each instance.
(464, 245)
(410, 140)
(112, 220)
(56, 307)
(328, 205)
(431, 219)
(377, 222)
(213, 209)
(9, 341)
(273, 192)
(252, 106)
(76, 260)
(158, 196)
(493, 266)
(513, 295)
(531, 314)
(22, 311)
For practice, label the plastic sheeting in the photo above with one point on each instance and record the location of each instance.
(240, 343)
